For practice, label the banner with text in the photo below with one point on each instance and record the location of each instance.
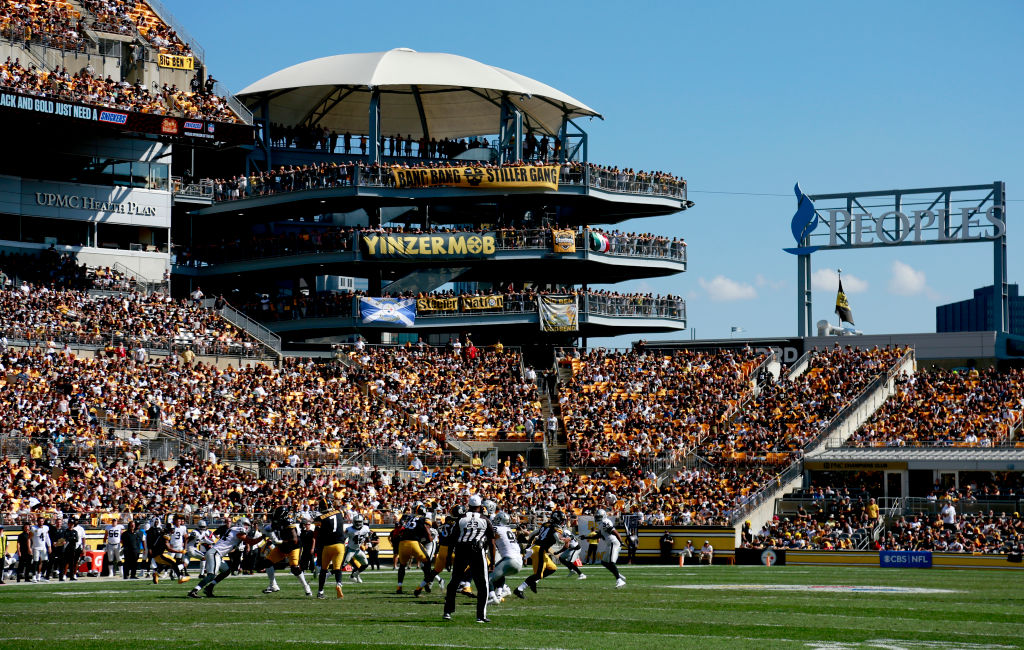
(527, 177)
(437, 303)
(429, 246)
(15, 104)
(564, 241)
(175, 61)
(396, 311)
(558, 313)
(483, 302)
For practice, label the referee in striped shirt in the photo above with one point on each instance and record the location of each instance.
(474, 547)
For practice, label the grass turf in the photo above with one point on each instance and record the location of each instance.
(734, 607)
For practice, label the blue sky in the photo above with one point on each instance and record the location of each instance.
(737, 97)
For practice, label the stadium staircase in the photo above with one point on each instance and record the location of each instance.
(269, 339)
(760, 507)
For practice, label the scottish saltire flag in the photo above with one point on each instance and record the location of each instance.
(398, 311)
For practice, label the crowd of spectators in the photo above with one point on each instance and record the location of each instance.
(949, 531)
(88, 88)
(464, 392)
(943, 408)
(705, 496)
(292, 178)
(620, 404)
(292, 240)
(52, 23)
(264, 308)
(126, 318)
(112, 16)
(200, 488)
(786, 415)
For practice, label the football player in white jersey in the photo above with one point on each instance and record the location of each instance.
(608, 545)
(217, 568)
(357, 536)
(507, 547)
(198, 543)
(112, 555)
(176, 542)
(41, 549)
(570, 553)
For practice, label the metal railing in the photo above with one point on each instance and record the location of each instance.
(165, 15)
(143, 285)
(839, 419)
(202, 189)
(235, 104)
(243, 322)
(751, 502)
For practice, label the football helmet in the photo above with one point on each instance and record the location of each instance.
(557, 518)
(490, 507)
(457, 513)
(419, 508)
(475, 501)
(600, 514)
(358, 521)
(323, 504)
(202, 524)
(501, 519)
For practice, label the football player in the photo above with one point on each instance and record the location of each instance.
(357, 536)
(412, 534)
(164, 558)
(217, 569)
(330, 538)
(198, 543)
(176, 542)
(511, 562)
(446, 536)
(571, 553)
(608, 545)
(285, 535)
(545, 541)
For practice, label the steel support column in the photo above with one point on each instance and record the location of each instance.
(373, 133)
(1000, 287)
(803, 294)
(510, 135)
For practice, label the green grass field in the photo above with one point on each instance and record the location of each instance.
(731, 607)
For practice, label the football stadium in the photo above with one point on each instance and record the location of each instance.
(331, 337)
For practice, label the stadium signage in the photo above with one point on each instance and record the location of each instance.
(905, 559)
(130, 121)
(78, 202)
(965, 224)
(175, 61)
(432, 246)
(527, 177)
(848, 229)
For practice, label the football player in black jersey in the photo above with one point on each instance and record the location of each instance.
(445, 543)
(285, 533)
(330, 544)
(544, 538)
(414, 532)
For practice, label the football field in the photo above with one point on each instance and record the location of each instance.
(661, 607)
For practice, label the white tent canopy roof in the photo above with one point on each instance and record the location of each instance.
(446, 94)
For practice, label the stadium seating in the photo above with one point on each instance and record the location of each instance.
(52, 23)
(621, 404)
(946, 408)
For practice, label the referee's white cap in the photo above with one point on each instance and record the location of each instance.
(475, 501)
